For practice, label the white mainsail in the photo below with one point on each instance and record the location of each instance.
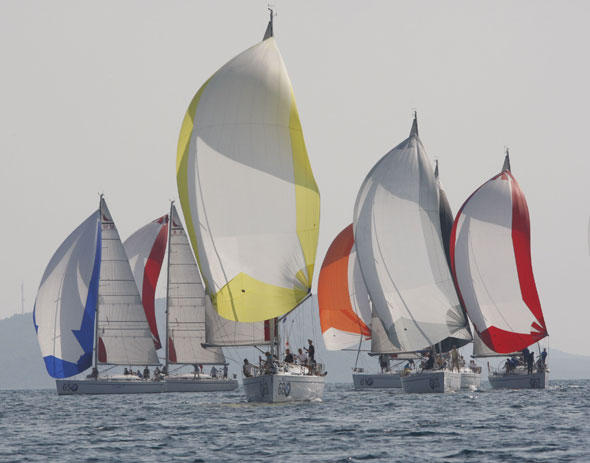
(400, 249)
(124, 336)
(65, 306)
(186, 303)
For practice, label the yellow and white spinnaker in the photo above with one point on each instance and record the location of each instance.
(250, 201)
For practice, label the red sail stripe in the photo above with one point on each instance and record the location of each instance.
(102, 351)
(171, 351)
(333, 291)
(150, 280)
(266, 330)
(521, 239)
(506, 342)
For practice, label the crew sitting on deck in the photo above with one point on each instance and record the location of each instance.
(213, 372)
(125, 371)
(301, 357)
(408, 367)
(269, 367)
(289, 356)
(146, 372)
(429, 363)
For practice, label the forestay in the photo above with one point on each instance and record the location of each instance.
(65, 306)
(186, 303)
(246, 187)
(491, 257)
(343, 301)
(400, 249)
(146, 249)
(124, 336)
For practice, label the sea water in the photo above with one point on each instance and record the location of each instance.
(551, 425)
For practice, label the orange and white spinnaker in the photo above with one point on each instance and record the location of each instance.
(345, 311)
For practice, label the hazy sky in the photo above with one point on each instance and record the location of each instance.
(92, 96)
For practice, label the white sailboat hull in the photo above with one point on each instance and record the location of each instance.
(536, 380)
(282, 387)
(470, 380)
(108, 386)
(140, 386)
(427, 382)
(190, 384)
(377, 380)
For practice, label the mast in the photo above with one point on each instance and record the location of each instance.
(95, 354)
(170, 221)
(269, 30)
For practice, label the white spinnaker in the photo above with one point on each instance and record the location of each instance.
(485, 262)
(123, 331)
(399, 245)
(186, 303)
(241, 163)
(62, 300)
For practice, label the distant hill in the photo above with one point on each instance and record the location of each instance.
(21, 366)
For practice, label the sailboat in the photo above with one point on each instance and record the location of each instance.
(185, 304)
(399, 240)
(88, 313)
(491, 261)
(251, 205)
(345, 313)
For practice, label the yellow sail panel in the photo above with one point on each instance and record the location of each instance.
(182, 157)
(247, 191)
(247, 299)
(307, 196)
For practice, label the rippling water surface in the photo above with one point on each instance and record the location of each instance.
(550, 425)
